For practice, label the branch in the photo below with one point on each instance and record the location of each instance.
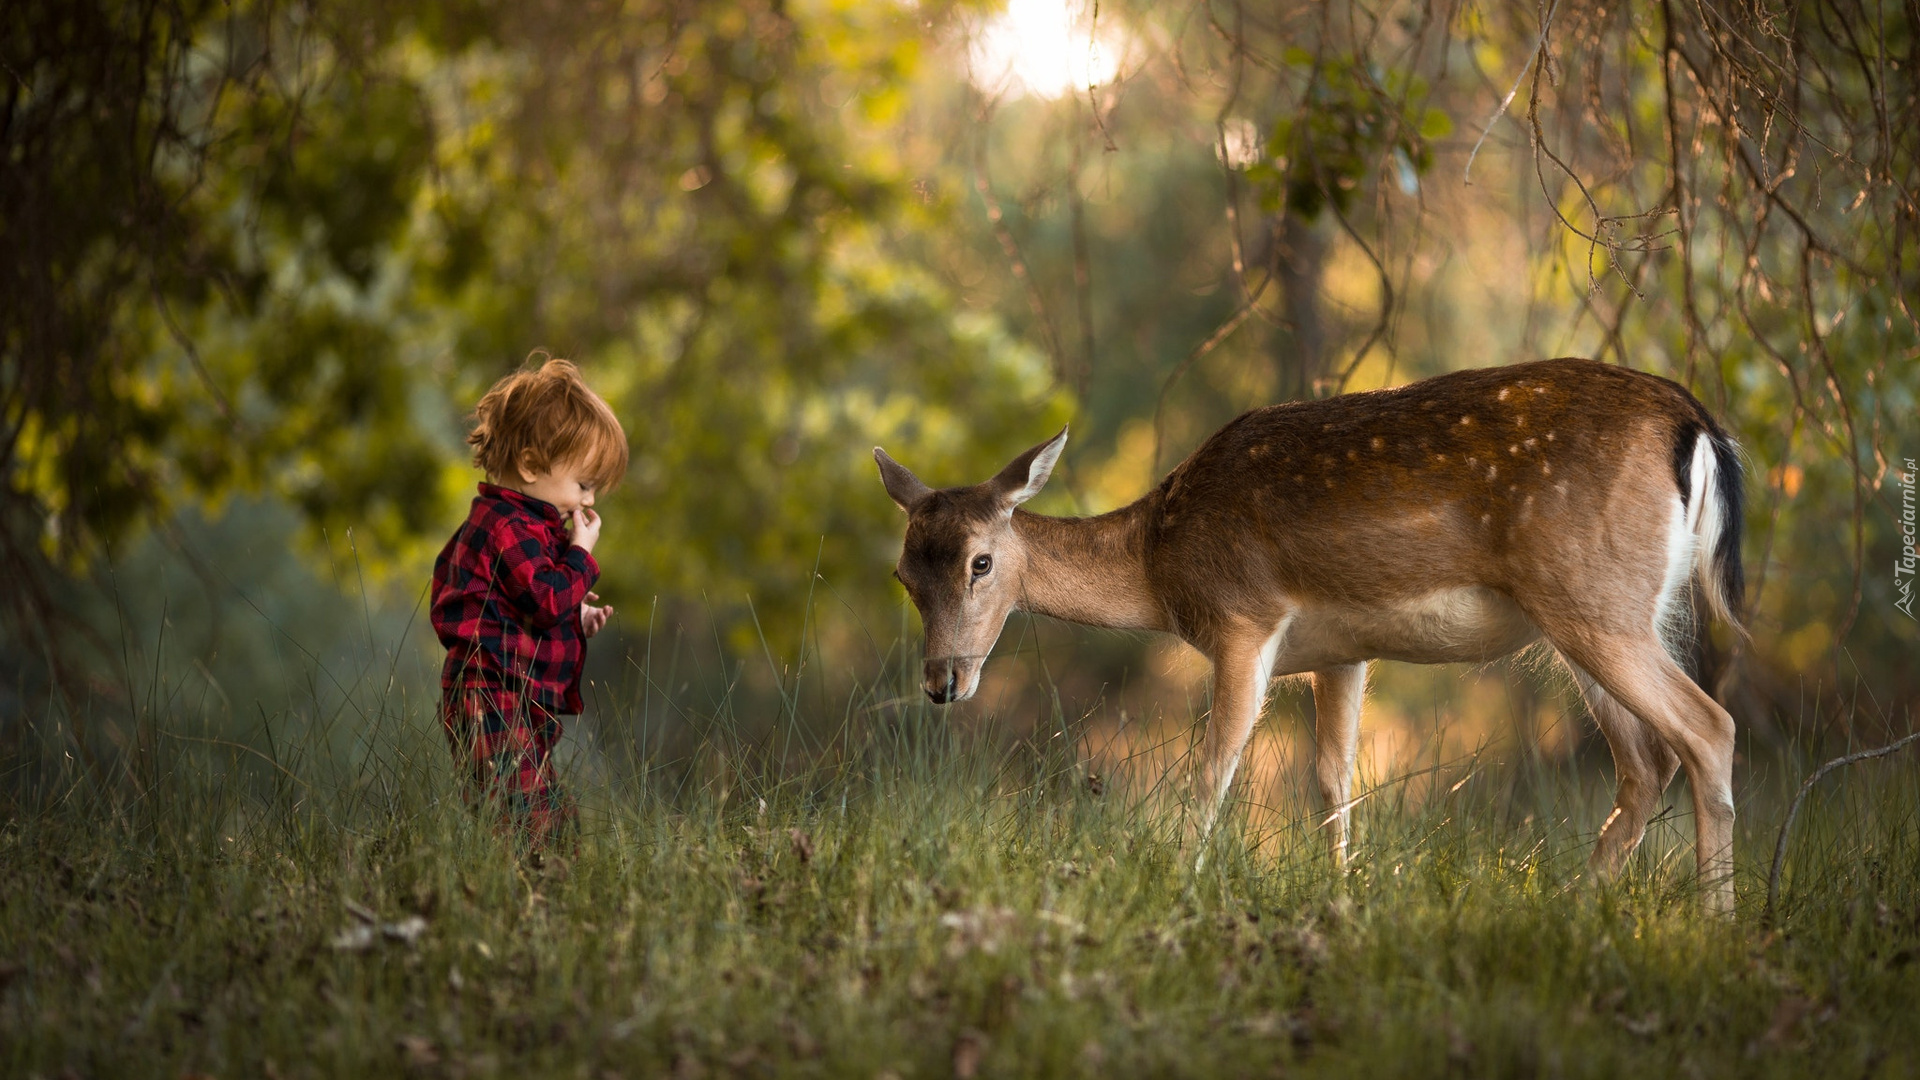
(1016, 261)
(1780, 845)
(1219, 335)
(1466, 174)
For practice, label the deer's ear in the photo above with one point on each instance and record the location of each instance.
(1023, 478)
(902, 486)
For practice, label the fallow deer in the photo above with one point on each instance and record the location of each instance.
(1456, 519)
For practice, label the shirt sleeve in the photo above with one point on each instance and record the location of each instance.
(538, 589)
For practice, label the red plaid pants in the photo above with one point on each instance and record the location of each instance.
(503, 745)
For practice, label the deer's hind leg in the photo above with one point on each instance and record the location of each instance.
(1643, 766)
(1636, 672)
(1337, 696)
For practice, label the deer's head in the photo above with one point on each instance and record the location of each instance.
(962, 562)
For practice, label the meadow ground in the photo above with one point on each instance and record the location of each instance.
(902, 898)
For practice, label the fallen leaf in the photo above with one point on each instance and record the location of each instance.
(802, 846)
(1266, 1024)
(967, 1049)
(1459, 1047)
(981, 928)
(407, 930)
(1645, 1027)
(418, 1050)
(1786, 1017)
(353, 939)
(801, 1041)
(1070, 926)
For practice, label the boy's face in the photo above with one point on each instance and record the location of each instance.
(567, 486)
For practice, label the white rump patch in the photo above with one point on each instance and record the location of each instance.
(1671, 619)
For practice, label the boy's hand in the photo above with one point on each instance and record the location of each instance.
(592, 616)
(586, 529)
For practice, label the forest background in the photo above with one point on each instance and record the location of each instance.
(258, 259)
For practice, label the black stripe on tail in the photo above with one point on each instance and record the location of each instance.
(1733, 498)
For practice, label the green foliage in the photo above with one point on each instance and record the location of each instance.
(1353, 119)
(387, 211)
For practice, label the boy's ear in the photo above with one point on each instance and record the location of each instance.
(528, 474)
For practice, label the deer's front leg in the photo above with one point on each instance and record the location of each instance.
(1337, 693)
(1242, 666)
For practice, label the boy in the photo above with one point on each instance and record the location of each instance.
(511, 592)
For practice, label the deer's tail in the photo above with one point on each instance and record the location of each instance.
(1707, 468)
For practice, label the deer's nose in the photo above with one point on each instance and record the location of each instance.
(943, 681)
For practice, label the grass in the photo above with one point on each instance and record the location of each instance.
(904, 898)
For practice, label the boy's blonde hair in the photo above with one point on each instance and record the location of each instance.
(544, 418)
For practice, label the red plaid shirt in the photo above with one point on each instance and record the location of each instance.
(507, 591)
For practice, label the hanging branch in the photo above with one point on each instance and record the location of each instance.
(1537, 55)
(1016, 261)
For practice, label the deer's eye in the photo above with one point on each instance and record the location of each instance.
(981, 565)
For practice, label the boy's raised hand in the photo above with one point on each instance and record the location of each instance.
(592, 616)
(586, 529)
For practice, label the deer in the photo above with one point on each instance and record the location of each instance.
(1456, 519)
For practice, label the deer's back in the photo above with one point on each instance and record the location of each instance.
(1474, 479)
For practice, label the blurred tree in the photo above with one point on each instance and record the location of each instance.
(283, 247)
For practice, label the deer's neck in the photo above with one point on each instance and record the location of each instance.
(1089, 570)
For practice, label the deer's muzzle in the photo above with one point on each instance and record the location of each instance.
(951, 678)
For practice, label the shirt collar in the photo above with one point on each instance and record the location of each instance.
(538, 507)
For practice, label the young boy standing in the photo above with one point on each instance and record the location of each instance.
(512, 599)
